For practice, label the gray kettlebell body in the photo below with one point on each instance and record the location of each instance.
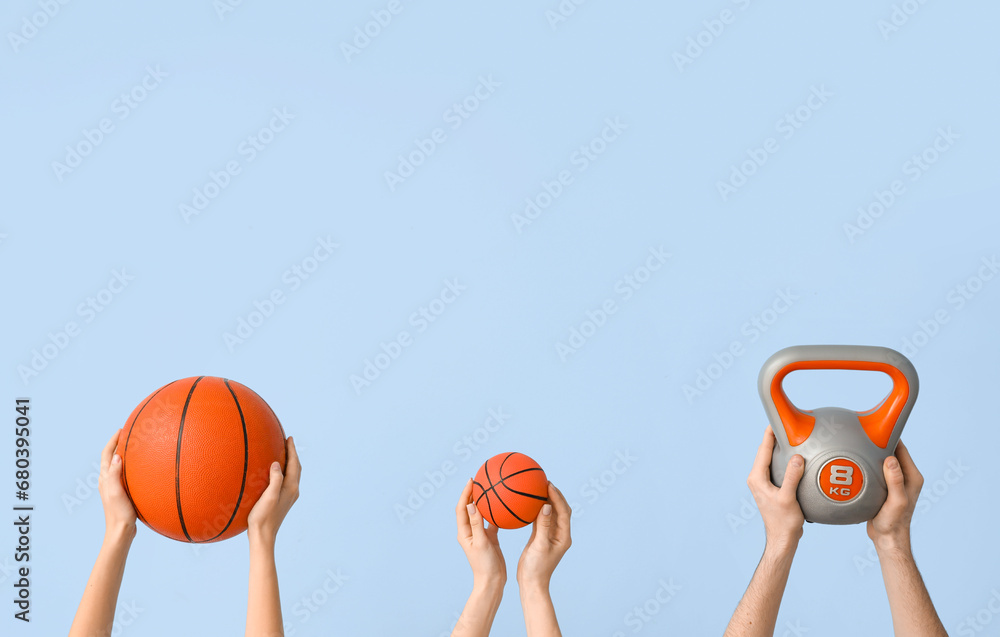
(843, 449)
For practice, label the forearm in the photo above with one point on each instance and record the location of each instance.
(913, 613)
(263, 600)
(96, 613)
(539, 613)
(757, 612)
(477, 616)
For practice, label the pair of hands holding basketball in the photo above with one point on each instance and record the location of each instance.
(264, 519)
(549, 541)
(782, 515)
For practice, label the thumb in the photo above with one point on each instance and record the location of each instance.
(896, 500)
(793, 474)
(115, 470)
(275, 478)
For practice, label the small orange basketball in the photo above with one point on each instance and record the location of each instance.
(509, 490)
(196, 456)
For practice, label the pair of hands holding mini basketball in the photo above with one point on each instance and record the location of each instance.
(782, 515)
(549, 541)
(263, 521)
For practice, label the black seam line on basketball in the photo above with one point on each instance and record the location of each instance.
(527, 495)
(519, 519)
(511, 511)
(128, 437)
(517, 473)
(476, 503)
(476, 484)
(177, 459)
(494, 486)
(486, 471)
(246, 460)
(125, 450)
(502, 463)
(502, 478)
(489, 506)
(493, 489)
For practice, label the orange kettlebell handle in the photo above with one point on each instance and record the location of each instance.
(878, 422)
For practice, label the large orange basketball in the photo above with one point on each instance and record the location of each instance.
(196, 456)
(509, 490)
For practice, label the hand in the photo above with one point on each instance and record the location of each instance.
(96, 613)
(281, 493)
(481, 546)
(778, 507)
(891, 527)
(549, 541)
(119, 514)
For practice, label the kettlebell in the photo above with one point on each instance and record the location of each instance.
(843, 449)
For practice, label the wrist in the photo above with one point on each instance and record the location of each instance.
(489, 586)
(260, 540)
(533, 585)
(893, 545)
(533, 594)
(782, 544)
(119, 533)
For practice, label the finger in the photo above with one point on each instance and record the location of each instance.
(275, 479)
(912, 479)
(544, 526)
(466, 496)
(903, 455)
(561, 512)
(760, 473)
(793, 474)
(115, 468)
(476, 522)
(896, 501)
(462, 513)
(293, 467)
(109, 450)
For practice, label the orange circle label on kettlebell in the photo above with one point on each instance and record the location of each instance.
(841, 480)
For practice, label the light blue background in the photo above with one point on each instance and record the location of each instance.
(672, 515)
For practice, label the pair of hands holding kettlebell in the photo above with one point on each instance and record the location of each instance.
(913, 613)
(782, 515)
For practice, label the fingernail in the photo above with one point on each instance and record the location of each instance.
(275, 465)
(116, 459)
(796, 462)
(893, 463)
(546, 509)
(471, 508)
